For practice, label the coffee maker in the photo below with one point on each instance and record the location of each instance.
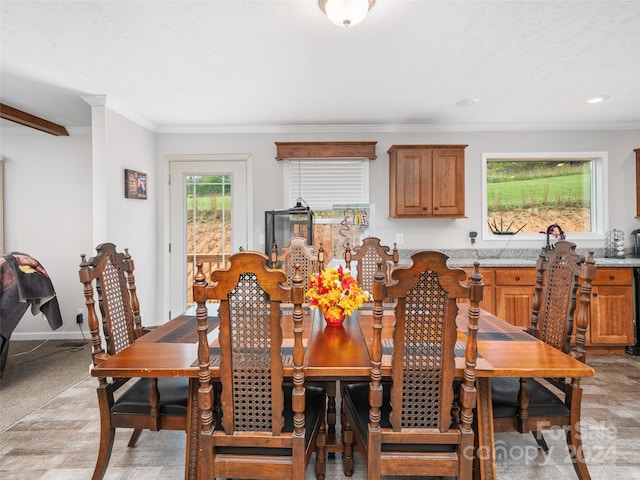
(635, 243)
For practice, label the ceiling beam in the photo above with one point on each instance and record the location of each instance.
(24, 118)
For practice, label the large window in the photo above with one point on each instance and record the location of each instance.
(528, 192)
(338, 193)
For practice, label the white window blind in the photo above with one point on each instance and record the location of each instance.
(323, 183)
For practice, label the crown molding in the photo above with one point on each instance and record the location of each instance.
(397, 128)
(104, 101)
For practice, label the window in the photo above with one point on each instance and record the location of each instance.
(528, 192)
(338, 193)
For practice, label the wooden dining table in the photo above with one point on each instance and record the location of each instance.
(342, 354)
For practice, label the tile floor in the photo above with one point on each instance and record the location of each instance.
(59, 440)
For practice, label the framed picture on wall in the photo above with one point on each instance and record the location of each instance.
(135, 184)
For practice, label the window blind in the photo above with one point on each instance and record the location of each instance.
(323, 183)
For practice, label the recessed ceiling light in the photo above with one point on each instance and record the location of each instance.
(465, 102)
(598, 99)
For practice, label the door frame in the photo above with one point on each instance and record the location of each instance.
(177, 296)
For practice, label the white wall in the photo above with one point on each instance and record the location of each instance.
(62, 165)
(268, 176)
(48, 215)
(48, 210)
(131, 223)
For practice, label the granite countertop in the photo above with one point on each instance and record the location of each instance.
(531, 262)
(516, 258)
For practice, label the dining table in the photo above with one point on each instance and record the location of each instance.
(341, 354)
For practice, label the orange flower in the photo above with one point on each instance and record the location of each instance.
(336, 292)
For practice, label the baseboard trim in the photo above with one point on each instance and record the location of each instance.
(67, 335)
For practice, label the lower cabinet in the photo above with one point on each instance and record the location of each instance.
(611, 308)
(514, 288)
(508, 293)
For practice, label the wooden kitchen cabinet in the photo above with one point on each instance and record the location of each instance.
(426, 181)
(611, 325)
(611, 308)
(514, 289)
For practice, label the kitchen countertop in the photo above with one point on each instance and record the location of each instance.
(516, 258)
(531, 262)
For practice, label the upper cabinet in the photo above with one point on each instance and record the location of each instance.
(426, 181)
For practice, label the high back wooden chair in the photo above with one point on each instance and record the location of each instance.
(527, 405)
(147, 403)
(419, 424)
(265, 428)
(297, 252)
(368, 255)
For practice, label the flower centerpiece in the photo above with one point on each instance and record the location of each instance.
(336, 293)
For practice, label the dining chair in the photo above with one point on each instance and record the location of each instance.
(147, 403)
(265, 428)
(420, 422)
(297, 252)
(368, 255)
(562, 293)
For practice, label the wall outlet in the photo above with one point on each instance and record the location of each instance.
(261, 241)
(399, 238)
(472, 237)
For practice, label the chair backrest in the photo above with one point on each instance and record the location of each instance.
(112, 274)
(250, 338)
(559, 275)
(368, 255)
(424, 339)
(298, 252)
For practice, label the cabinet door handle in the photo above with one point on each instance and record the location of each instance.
(517, 279)
(436, 208)
(594, 294)
(612, 277)
(424, 208)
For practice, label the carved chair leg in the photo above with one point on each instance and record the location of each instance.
(542, 443)
(321, 453)
(347, 442)
(574, 441)
(331, 408)
(134, 437)
(107, 432)
(107, 436)
(574, 435)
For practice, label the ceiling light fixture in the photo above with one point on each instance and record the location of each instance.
(346, 13)
(599, 99)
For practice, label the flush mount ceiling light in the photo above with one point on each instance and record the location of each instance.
(598, 99)
(346, 13)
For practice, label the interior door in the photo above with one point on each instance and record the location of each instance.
(209, 219)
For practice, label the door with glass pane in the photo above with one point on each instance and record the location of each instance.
(208, 221)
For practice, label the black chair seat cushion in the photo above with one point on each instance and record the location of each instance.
(314, 407)
(174, 394)
(542, 401)
(356, 399)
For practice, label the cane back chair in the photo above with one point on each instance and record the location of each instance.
(420, 423)
(368, 255)
(297, 252)
(147, 403)
(265, 428)
(528, 405)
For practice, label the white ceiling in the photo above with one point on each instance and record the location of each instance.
(264, 64)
